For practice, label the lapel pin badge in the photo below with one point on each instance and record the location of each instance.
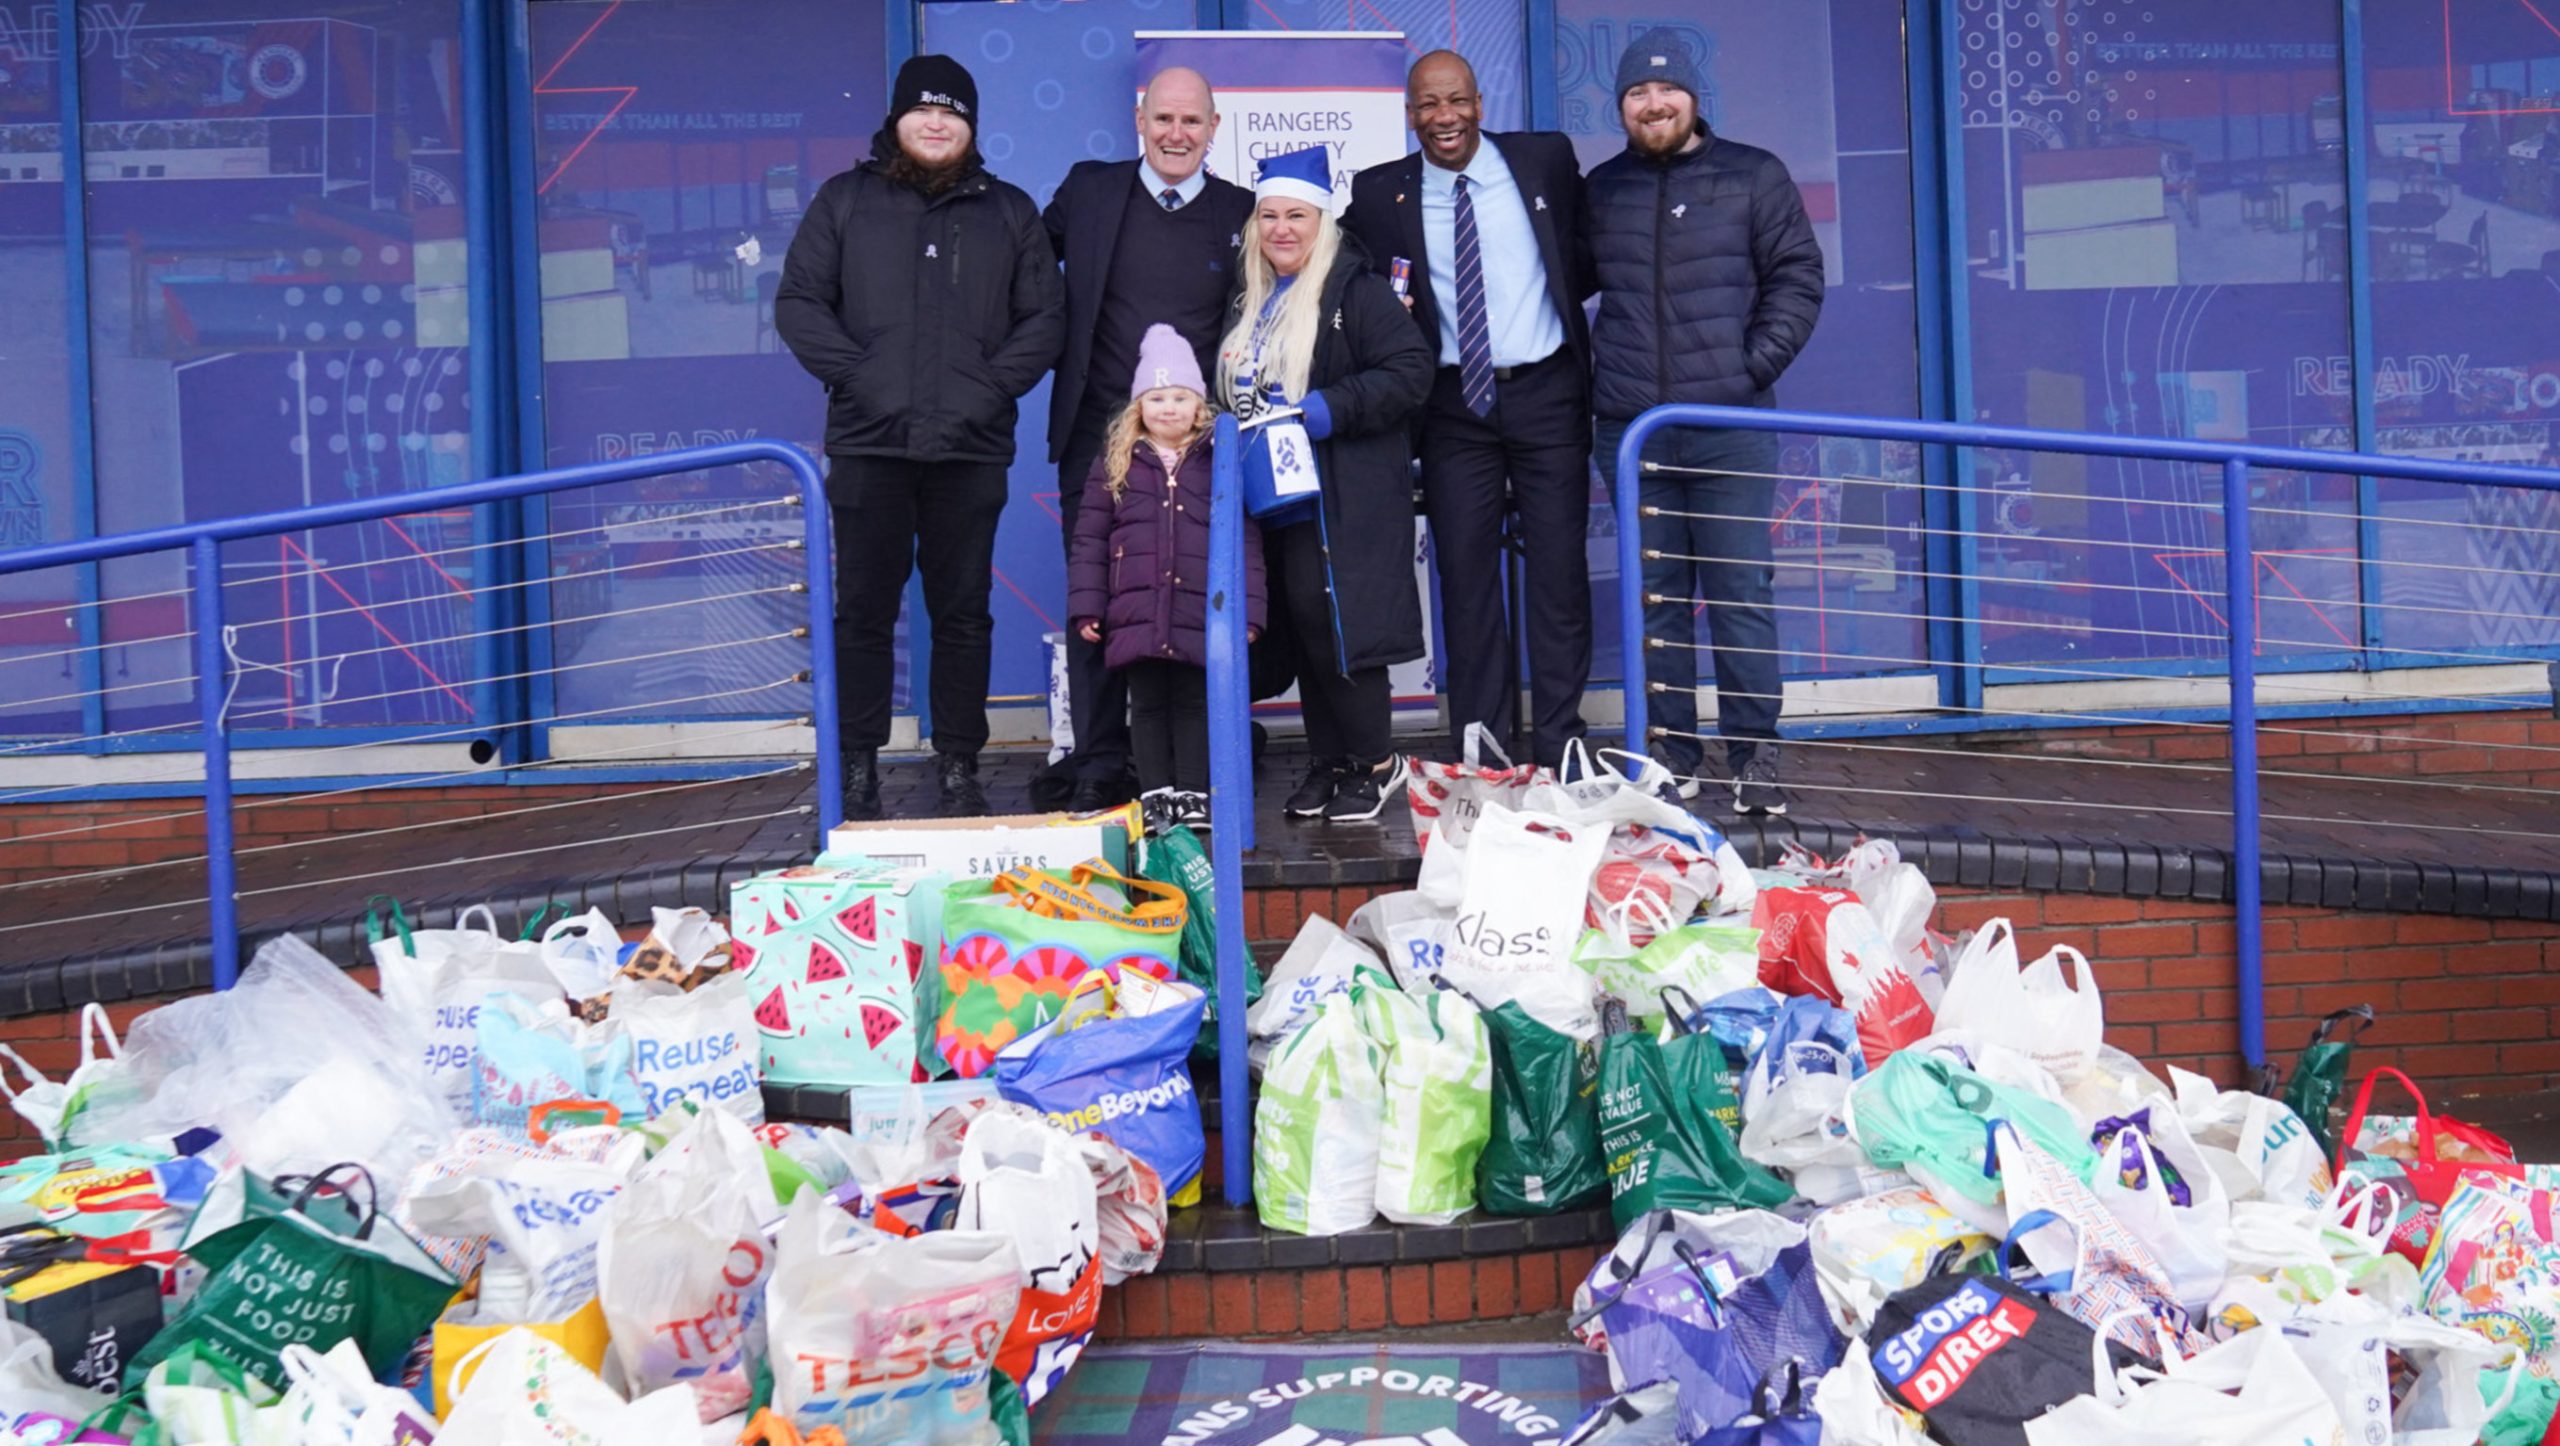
(1542, 202)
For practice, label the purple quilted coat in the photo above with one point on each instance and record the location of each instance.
(1142, 565)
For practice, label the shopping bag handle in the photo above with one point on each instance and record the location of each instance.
(399, 920)
(1780, 1396)
(1478, 742)
(2364, 1101)
(2054, 1283)
(36, 1078)
(309, 1185)
(540, 920)
(96, 1028)
(1165, 910)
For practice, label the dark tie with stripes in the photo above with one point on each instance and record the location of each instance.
(1475, 332)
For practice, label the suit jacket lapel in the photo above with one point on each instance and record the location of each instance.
(1542, 221)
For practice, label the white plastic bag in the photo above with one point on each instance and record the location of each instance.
(1795, 1117)
(1899, 896)
(890, 1339)
(1521, 915)
(2262, 1150)
(526, 1391)
(2053, 1017)
(1447, 799)
(682, 1265)
(1318, 964)
(1409, 932)
(334, 1401)
(583, 955)
(1853, 1407)
(2187, 1239)
(29, 1382)
(1024, 1179)
(543, 1219)
(436, 980)
(2349, 1343)
(2252, 1390)
(98, 1086)
(1865, 1250)
(699, 1045)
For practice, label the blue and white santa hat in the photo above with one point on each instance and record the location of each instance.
(1305, 175)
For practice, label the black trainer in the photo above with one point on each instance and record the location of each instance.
(1755, 784)
(961, 795)
(1324, 775)
(1364, 792)
(1191, 811)
(861, 782)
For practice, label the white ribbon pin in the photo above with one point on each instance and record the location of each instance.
(1680, 210)
(1542, 202)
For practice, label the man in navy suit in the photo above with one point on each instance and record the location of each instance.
(1144, 241)
(1490, 226)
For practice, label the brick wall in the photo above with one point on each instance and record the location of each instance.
(2512, 747)
(43, 841)
(1237, 1304)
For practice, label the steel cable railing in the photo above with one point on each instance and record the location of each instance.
(2216, 628)
(220, 663)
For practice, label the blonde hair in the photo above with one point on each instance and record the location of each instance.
(1120, 444)
(1290, 348)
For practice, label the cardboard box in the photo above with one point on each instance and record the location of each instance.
(832, 956)
(982, 848)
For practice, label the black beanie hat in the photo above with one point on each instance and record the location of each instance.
(934, 80)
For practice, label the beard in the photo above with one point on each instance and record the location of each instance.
(1671, 145)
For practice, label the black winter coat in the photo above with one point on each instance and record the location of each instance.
(1374, 369)
(1141, 565)
(926, 317)
(1710, 277)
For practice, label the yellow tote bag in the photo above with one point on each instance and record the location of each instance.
(582, 1335)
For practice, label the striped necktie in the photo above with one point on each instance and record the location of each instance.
(1172, 199)
(1475, 333)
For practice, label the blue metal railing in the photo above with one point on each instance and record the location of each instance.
(2240, 600)
(204, 542)
(1230, 795)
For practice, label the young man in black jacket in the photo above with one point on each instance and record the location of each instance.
(1143, 241)
(1491, 226)
(922, 291)
(1710, 282)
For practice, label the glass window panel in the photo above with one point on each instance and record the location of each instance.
(1822, 86)
(278, 317)
(678, 143)
(1491, 34)
(2149, 199)
(2465, 238)
(38, 627)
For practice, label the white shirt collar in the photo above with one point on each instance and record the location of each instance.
(1479, 169)
(1189, 190)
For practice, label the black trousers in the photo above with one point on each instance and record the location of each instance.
(1349, 717)
(1097, 696)
(1169, 724)
(893, 517)
(1531, 455)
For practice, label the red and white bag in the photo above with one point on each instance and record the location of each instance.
(1450, 797)
(1873, 984)
(1795, 927)
(1027, 1180)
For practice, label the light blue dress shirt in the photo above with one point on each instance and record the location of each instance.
(1520, 317)
(1189, 190)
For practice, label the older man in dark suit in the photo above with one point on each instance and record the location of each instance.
(1144, 241)
(1489, 226)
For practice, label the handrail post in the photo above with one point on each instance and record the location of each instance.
(2240, 592)
(221, 869)
(817, 541)
(1631, 641)
(1230, 795)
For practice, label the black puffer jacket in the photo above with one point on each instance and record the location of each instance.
(926, 317)
(1710, 277)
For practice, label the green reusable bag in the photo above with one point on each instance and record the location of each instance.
(2320, 1076)
(1659, 1132)
(1926, 1114)
(1177, 858)
(1704, 961)
(1315, 1126)
(1543, 1156)
(2527, 1416)
(289, 1266)
(1005, 1411)
(194, 1397)
(1438, 1077)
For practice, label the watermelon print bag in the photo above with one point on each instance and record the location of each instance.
(1018, 947)
(832, 959)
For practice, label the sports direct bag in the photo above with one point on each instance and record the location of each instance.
(699, 1045)
(2049, 1015)
(682, 1265)
(888, 1339)
(1438, 1078)
(1014, 949)
(436, 980)
(1127, 1078)
(835, 962)
(1979, 1358)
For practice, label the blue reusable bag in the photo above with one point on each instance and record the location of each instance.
(1262, 499)
(1782, 1416)
(1811, 1019)
(527, 1058)
(1128, 1079)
